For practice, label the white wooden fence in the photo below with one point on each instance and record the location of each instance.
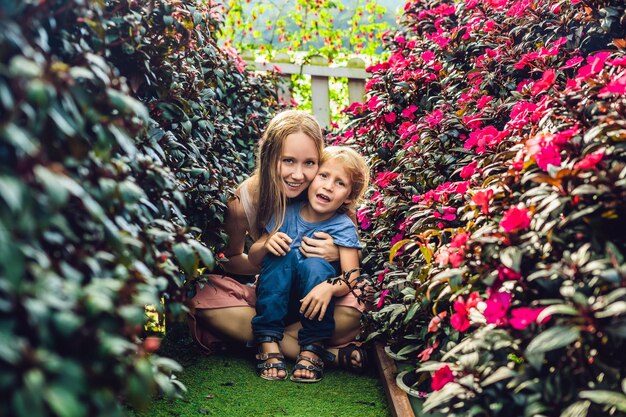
(320, 72)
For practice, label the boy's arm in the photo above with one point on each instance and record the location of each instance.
(277, 244)
(315, 303)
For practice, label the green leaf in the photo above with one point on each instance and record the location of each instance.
(500, 374)
(609, 398)
(553, 338)
(206, 255)
(578, 409)
(63, 402)
(186, 256)
(11, 191)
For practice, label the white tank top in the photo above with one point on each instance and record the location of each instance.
(249, 208)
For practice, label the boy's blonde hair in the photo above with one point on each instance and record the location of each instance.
(272, 201)
(355, 167)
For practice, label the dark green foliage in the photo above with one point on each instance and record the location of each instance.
(123, 130)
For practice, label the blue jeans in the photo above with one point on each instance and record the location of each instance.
(284, 280)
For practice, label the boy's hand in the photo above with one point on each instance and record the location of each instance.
(278, 244)
(315, 303)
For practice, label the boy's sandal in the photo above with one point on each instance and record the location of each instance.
(316, 365)
(264, 365)
(344, 358)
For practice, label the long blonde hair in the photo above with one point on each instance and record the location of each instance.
(271, 200)
(355, 167)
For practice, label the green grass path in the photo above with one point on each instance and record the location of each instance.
(225, 384)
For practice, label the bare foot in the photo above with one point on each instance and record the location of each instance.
(272, 373)
(304, 373)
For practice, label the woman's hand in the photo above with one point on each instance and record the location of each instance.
(322, 246)
(315, 303)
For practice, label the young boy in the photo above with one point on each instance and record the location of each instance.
(288, 277)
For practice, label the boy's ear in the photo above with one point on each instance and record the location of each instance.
(347, 201)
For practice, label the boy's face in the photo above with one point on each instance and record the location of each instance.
(330, 188)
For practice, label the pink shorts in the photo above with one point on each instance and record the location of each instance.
(222, 291)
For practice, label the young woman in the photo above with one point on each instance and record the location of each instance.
(287, 161)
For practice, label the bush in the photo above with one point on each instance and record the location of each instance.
(495, 228)
(107, 205)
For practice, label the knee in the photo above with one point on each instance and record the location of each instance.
(316, 267)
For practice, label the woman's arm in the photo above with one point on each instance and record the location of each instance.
(236, 227)
(315, 303)
(323, 245)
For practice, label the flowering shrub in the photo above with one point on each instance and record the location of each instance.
(107, 205)
(495, 224)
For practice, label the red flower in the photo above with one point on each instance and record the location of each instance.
(434, 118)
(468, 170)
(425, 354)
(482, 199)
(435, 322)
(546, 81)
(459, 320)
(362, 216)
(548, 155)
(381, 300)
(515, 219)
(441, 377)
(590, 161)
(408, 112)
(484, 139)
(497, 306)
(522, 317)
(508, 274)
(483, 101)
(383, 179)
(390, 117)
(617, 86)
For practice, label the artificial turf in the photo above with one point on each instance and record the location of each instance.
(225, 384)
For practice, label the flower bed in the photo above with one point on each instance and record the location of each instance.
(495, 229)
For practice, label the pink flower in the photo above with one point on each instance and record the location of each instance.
(548, 155)
(459, 320)
(508, 274)
(408, 112)
(618, 61)
(381, 276)
(594, 65)
(441, 377)
(497, 306)
(459, 240)
(590, 161)
(469, 170)
(572, 62)
(483, 101)
(425, 354)
(381, 300)
(435, 322)
(482, 199)
(546, 81)
(362, 216)
(374, 103)
(428, 56)
(484, 139)
(396, 238)
(390, 117)
(515, 219)
(522, 317)
(383, 179)
(617, 86)
(434, 118)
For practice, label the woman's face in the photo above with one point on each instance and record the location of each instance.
(298, 163)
